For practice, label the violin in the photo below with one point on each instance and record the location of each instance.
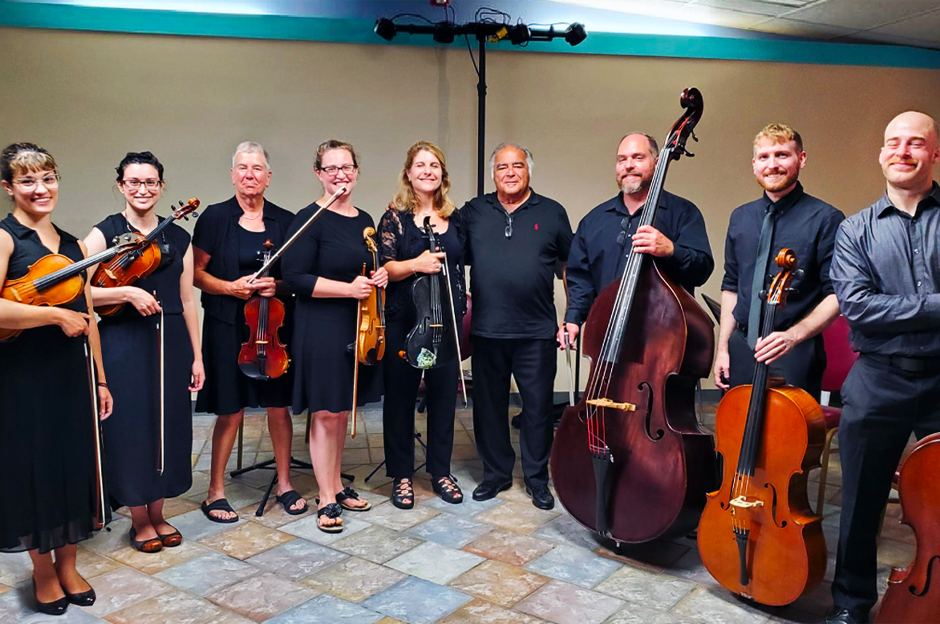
(370, 343)
(264, 356)
(55, 280)
(630, 460)
(432, 341)
(911, 595)
(758, 535)
(126, 269)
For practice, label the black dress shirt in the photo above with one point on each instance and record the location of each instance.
(599, 252)
(804, 224)
(886, 274)
(512, 258)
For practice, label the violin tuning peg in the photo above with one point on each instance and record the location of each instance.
(694, 138)
(181, 203)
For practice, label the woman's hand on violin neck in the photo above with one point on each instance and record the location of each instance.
(143, 301)
(105, 403)
(72, 323)
(361, 287)
(243, 290)
(267, 286)
(380, 278)
(198, 376)
(428, 262)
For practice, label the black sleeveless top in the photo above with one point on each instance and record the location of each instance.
(165, 280)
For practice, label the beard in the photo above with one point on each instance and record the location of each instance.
(633, 187)
(780, 184)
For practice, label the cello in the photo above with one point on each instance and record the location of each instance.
(630, 460)
(264, 356)
(758, 535)
(911, 595)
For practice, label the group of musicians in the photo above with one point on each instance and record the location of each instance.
(880, 268)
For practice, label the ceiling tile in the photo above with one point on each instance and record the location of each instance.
(862, 15)
(784, 26)
(757, 7)
(925, 27)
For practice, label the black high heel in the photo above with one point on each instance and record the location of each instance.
(56, 607)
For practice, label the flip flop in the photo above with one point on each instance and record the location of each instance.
(288, 499)
(219, 505)
(332, 510)
(153, 545)
(348, 492)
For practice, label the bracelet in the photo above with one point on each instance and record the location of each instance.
(102, 384)
(413, 270)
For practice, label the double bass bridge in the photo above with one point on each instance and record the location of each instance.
(605, 402)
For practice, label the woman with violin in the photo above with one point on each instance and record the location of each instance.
(131, 346)
(50, 486)
(331, 271)
(421, 199)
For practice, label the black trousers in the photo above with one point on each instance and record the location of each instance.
(398, 411)
(532, 362)
(882, 407)
(802, 367)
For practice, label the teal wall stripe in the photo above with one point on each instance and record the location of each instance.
(300, 28)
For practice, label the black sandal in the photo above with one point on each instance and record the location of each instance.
(446, 487)
(218, 505)
(288, 499)
(347, 493)
(331, 510)
(403, 493)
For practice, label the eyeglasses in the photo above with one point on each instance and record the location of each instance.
(49, 181)
(150, 185)
(508, 230)
(333, 170)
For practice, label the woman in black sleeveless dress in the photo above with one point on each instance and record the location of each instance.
(324, 270)
(49, 487)
(422, 193)
(131, 346)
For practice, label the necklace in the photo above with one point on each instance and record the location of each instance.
(247, 218)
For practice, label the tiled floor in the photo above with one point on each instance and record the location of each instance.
(502, 561)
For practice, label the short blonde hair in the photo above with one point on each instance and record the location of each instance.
(405, 199)
(779, 133)
(20, 158)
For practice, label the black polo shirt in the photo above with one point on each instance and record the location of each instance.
(599, 252)
(806, 225)
(512, 272)
(216, 234)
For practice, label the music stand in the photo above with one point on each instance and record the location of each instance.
(713, 306)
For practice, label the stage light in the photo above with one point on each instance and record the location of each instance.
(385, 28)
(519, 34)
(444, 32)
(575, 34)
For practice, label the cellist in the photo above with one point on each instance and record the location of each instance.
(677, 240)
(886, 275)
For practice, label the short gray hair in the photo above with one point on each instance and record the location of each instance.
(251, 147)
(654, 146)
(501, 147)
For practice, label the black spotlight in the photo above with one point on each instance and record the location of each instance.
(444, 32)
(575, 34)
(519, 34)
(385, 28)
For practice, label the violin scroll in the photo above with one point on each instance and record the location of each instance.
(786, 260)
(693, 103)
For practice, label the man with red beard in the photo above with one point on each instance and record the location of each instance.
(677, 238)
(886, 274)
(785, 216)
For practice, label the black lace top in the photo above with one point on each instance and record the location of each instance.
(402, 239)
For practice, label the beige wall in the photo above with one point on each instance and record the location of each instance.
(90, 97)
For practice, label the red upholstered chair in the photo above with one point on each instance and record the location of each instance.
(840, 358)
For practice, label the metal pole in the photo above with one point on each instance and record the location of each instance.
(481, 114)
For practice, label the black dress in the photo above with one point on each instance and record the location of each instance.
(47, 446)
(333, 248)
(233, 253)
(130, 349)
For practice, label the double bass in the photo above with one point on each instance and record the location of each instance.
(630, 460)
(913, 593)
(264, 356)
(758, 535)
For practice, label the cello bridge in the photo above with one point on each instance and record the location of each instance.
(743, 503)
(626, 407)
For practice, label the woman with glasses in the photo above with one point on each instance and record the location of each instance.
(422, 194)
(131, 348)
(48, 474)
(324, 269)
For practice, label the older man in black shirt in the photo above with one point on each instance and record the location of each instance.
(677, 239)
(786, 216)
(886, 274)
(515, 240)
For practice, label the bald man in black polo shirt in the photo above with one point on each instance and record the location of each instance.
(516, 238)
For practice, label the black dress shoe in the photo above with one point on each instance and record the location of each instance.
(82, 599)
(838, 615)
(541, 496)
(56, 607)
(489, 489)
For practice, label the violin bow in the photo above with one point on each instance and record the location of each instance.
(355, 346)
(161, 335)
(290, 241)
(95, 408)
(453, 319)
(568, 345)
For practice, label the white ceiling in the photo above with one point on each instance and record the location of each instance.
(905, 22)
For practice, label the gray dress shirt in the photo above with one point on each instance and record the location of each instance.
(886, 275)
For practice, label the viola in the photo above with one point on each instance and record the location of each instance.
(432, 341)
(264, 356)
(912, 595)
(630, 460)
(55, 280)
(758, 535)
(126, 269)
